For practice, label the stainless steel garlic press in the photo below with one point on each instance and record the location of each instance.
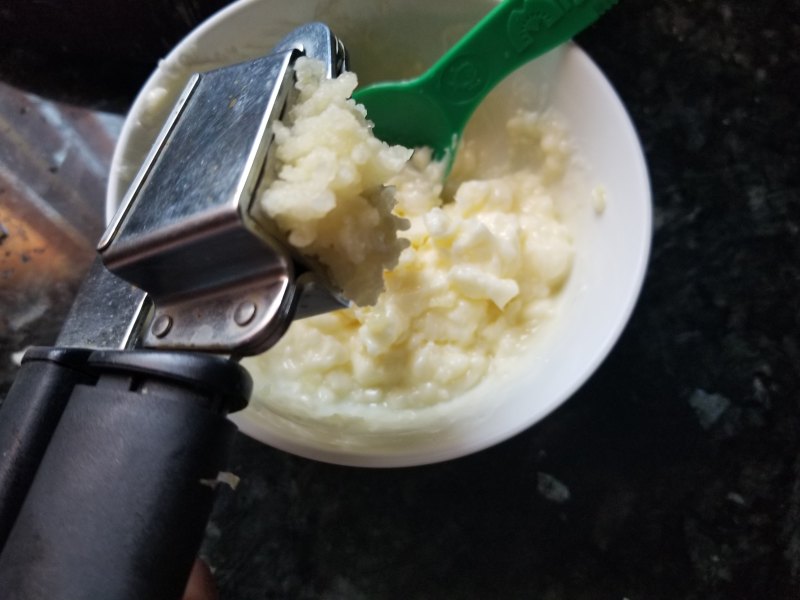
(112, 442)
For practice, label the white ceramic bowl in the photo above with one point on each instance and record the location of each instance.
(388, 39)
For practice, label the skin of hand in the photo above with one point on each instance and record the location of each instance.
(201, 584)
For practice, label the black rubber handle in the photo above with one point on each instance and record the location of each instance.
(28, 417)
(123, 492)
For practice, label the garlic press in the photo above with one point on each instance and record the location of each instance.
(113, 442)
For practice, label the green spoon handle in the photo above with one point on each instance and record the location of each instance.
(513, 33)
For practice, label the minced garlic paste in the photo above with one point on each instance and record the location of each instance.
(330, 198)
(480, 272)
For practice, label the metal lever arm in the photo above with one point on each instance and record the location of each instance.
(189, 232)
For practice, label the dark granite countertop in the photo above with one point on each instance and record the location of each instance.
(677, 464)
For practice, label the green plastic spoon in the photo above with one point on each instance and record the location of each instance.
(433, 109)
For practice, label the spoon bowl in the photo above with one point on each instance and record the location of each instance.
(421, 121)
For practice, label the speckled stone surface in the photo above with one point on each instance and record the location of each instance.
(675, 471)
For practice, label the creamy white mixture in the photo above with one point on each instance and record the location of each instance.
(481, 271)
(330, 198)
